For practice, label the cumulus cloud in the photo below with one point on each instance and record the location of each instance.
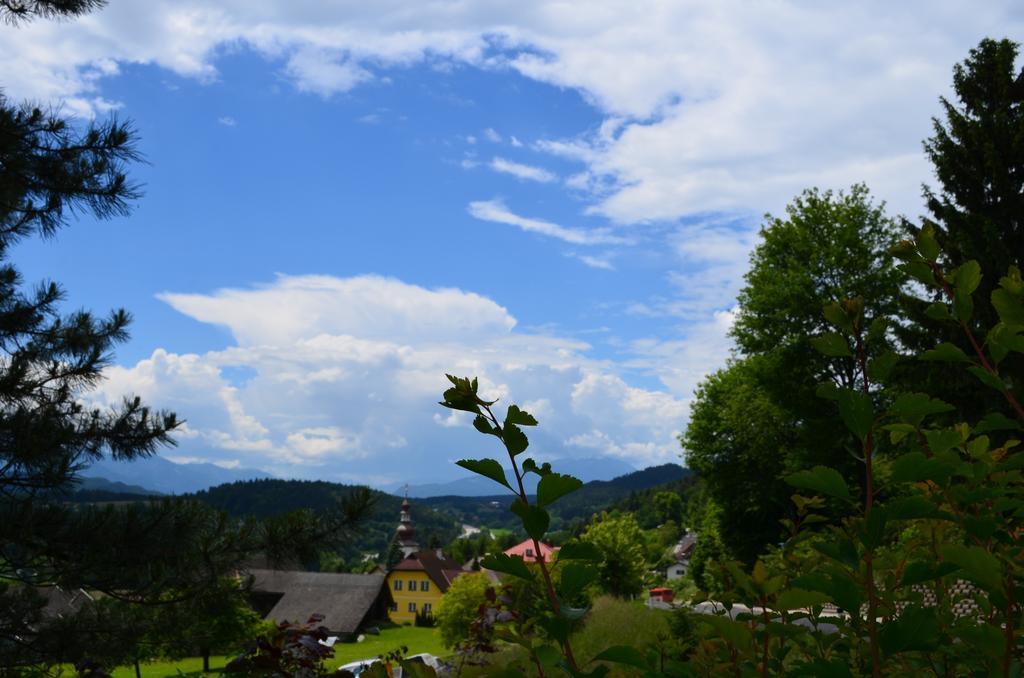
(496, 211)
(343, 375)
(711, 105)
(521, 171)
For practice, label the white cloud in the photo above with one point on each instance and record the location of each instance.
(345, 375)
(369, 307)
(496, 211)
(227, 121)
(603, 262)
(515, 142)
(709, 105)
(521, 171)
(324, 72)
(492, 135)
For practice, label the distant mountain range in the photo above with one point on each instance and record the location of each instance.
(587, 470)
(114, 487)
(159, 475)
(595, 496)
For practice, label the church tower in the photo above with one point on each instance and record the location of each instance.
(406, 533)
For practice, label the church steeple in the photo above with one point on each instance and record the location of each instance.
(406, 533)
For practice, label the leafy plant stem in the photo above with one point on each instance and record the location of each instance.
(869, 495)
(549, 585)
(978, 351)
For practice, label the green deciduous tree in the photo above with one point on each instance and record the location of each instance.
(738, 440)
(621, 544)
(460, 606)
(762, 415)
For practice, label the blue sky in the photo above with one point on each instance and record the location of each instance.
(341, 204)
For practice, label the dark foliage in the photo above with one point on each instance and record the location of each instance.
(13, 11)
(266, 499)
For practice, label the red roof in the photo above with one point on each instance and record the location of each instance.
(528, 552)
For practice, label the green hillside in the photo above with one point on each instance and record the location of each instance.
(595, 496)
(266, 498)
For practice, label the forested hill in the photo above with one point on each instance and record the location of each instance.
(593, 497)
(267, 497)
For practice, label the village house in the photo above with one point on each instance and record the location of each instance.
(682, 553)
(349, 603)
(528, 551)
(417, 582)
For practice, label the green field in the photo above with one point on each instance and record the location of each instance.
(416, 639)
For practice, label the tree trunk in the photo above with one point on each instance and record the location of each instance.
(206, 660)
(138, 671)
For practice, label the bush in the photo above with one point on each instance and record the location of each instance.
(425, 619)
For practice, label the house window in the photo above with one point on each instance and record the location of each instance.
(412, 584)
(412, 607)
(398, 584)
(427, 607)
(424, 586)
(529, 553)
(393, 607)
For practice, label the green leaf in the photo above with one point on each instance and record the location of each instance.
(898, 432)
(927, 245)
(977, 564)
(795, 599)
(873, 529)
(914, 407)
(513, 565)
(623, 654)
(857, 412)
(920, 271)
(558, 628)
(987, 638)
(821, 668)
(821, 479)
(832, 344)
(1009, 307)
(827, 391)
(518, 417)
(555, 485)
(847, 594)
(915, 467)
(938, 311)
(530, 466)
(963, 306)
(733, 632)
(481, 424)
(488, 468)
(548, 655)
(946, 353)
(967, 277)
(575, 578)
(987, 378)
(580, 550)
(837, 317)
(921, 571)
(943, 440)
(910, 508)
(880, 367)
(996, 421)
(515, 440)
(535, 519)
(842, 551)
(916, 628)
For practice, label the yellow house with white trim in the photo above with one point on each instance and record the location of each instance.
(418, 581)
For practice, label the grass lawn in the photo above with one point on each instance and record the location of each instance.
(416, 639)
